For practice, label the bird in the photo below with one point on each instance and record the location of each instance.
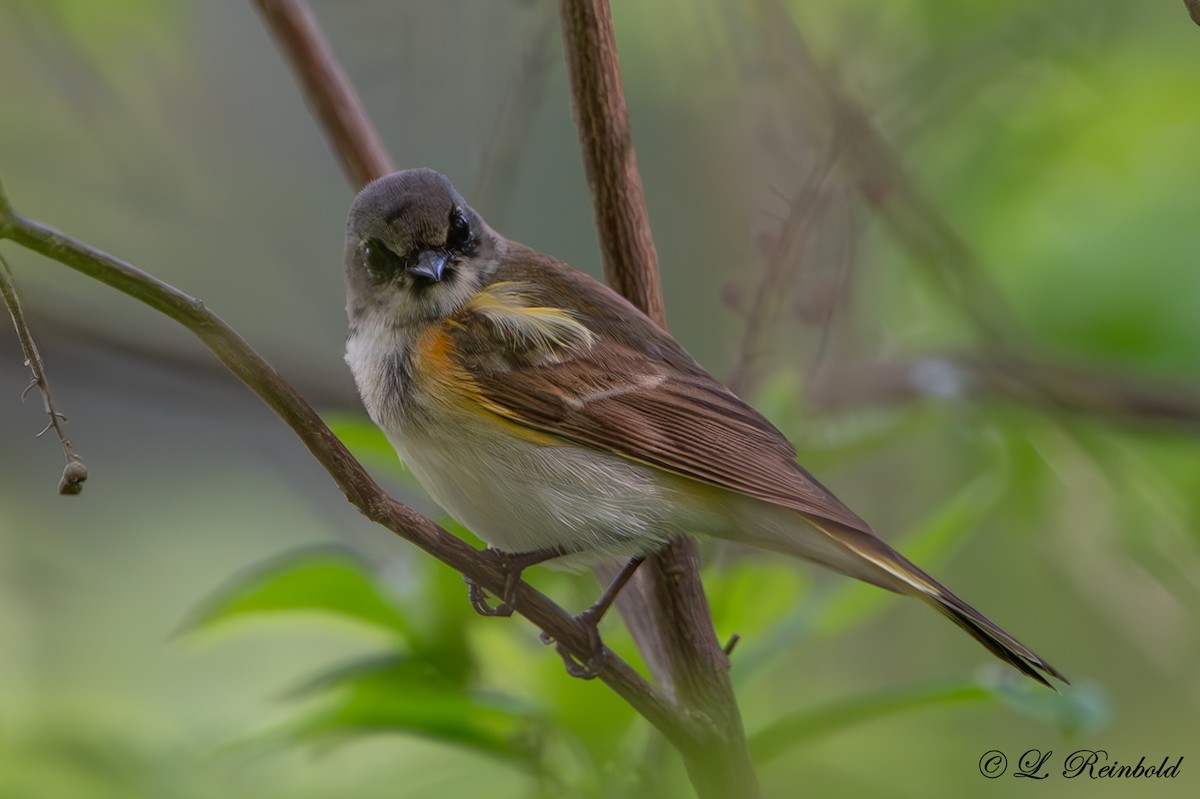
(556, 421)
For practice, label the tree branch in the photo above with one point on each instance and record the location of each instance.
(1117, 397)
(618, 203)
(1051, 386)
(358, 486)
(676, 636)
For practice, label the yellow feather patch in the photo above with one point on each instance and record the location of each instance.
(454, 390)
(507, 305)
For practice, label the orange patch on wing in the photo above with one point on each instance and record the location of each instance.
(439, 372)
(437, 365)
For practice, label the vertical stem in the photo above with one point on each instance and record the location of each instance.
(667, 612)
(619, 205)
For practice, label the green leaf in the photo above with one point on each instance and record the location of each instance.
(782, 735)
(853, 602)
(323, 579)
(410, 694)
(367, 442)
(752, 593)
(1076, 709)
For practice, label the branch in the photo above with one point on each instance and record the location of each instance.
(74, 473)
(779, 269)
(879, 177)
(668, 612)
(506, 142)
(1046, 385)
(619, 205)
(327, 91)
(1193, 7)
(358, 486)
(324, 385)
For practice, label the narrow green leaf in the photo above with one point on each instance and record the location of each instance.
(749, 595)
(324, 579)
(1076, 709)
(853, 602)
(782, 735)
(410, 694)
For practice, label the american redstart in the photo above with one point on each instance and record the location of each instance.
(550, 416)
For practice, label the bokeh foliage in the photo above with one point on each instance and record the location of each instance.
(1057, 138)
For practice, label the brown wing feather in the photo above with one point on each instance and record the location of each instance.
(688, 424)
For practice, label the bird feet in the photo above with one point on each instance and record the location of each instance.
(512, 565)
(589, 667)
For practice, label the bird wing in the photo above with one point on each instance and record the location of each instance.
(563, 378)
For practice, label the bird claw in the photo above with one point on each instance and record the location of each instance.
(590, 668)
(479, 598)
(512, 566)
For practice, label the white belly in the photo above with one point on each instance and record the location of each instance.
(520, 496)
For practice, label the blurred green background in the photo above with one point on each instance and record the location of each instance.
(156, 632)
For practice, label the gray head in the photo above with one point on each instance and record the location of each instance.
(415, 251)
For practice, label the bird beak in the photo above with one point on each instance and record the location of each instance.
(430, 264)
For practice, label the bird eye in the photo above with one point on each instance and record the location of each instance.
(381, 261)
(459, 235)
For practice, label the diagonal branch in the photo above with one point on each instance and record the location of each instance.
(879, 176)
(358, 486)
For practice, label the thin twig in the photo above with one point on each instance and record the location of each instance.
(349, 475)
(75, 473)
(1120, 398)
(761, 314)
(326, 385)
(327, 90)
(879, 177)
(511, 132)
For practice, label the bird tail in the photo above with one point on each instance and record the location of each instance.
(872, 560)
